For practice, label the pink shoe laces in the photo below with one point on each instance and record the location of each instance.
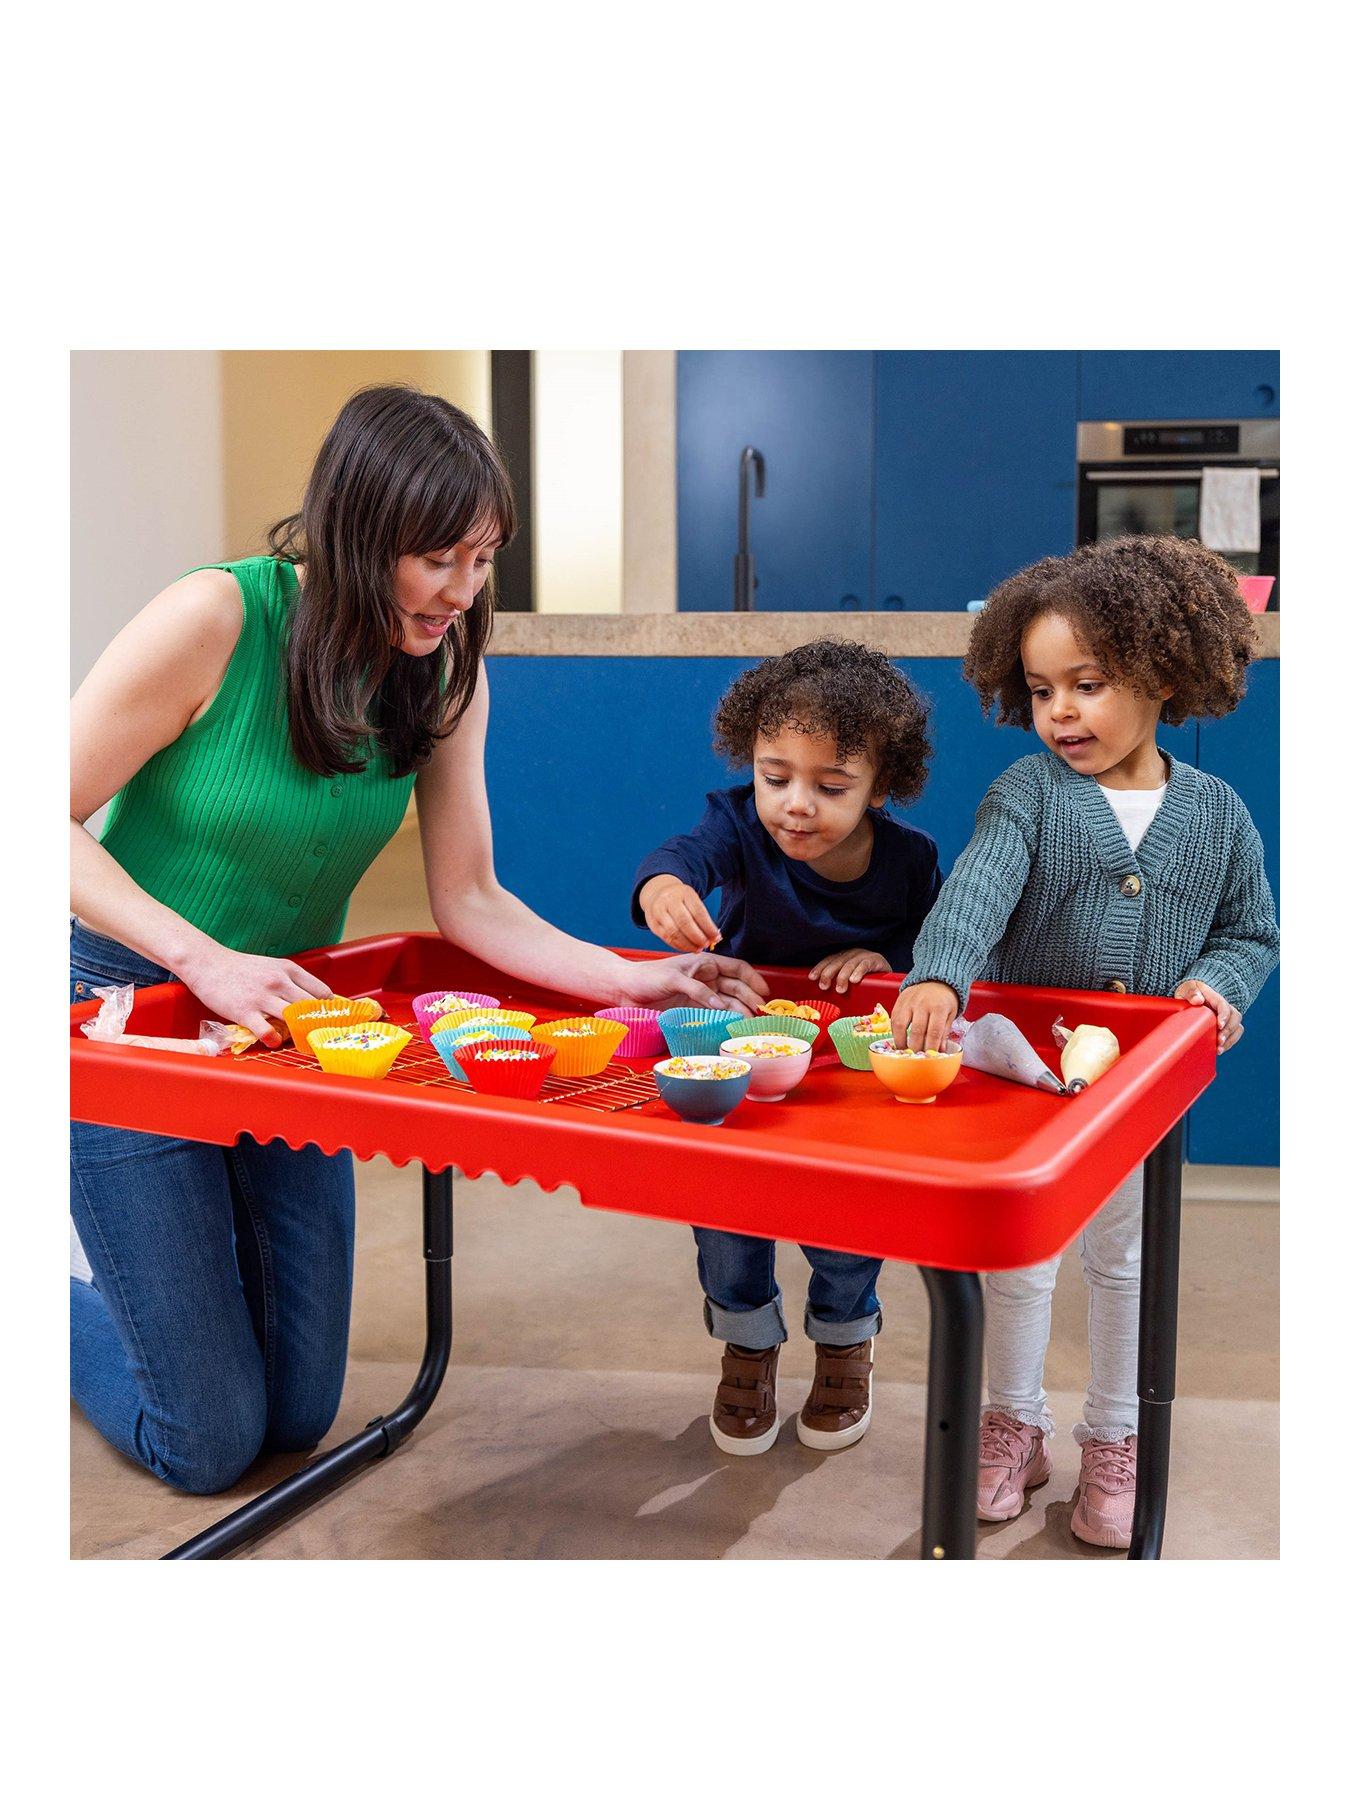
(1004, 1440)
(1110, 1467)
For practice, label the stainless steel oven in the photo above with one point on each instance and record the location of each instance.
(1144, 475)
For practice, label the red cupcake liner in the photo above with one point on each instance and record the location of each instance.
(645, 1037)
(827, 1009)
(519, 1080)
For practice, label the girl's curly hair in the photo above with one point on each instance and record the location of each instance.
(840, 690)
(1156, 612)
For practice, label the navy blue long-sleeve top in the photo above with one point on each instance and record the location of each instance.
(776, 910)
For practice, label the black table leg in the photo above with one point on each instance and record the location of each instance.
(1157, 1341)
(952, 1438)
(327, 1472)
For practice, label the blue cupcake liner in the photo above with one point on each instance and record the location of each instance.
(695, 1030)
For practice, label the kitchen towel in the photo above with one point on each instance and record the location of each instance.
(1230, 509)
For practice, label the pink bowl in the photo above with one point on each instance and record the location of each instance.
(644, 1034)
(426, 1017)
(1256, 591)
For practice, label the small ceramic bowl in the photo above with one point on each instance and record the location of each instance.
(771, 1076)
(445, 1043)
(694, 1030)
(703, 1100)
(916, 1077)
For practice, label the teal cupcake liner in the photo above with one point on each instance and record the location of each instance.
(695, 1030)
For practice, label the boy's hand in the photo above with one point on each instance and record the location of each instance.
(922, 1016)
(1228, 1017)
(677, 914)
(844, 967)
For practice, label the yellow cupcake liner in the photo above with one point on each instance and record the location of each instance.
(304, 1016)
(372, 1063)
(583, 1055)
(493, 1015)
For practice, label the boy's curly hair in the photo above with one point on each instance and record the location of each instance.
(1156, 612)
(841, 690)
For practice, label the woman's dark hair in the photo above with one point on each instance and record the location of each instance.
(1156, 612)
(401, 473)
(840, 690)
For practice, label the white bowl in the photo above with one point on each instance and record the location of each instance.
(771, 1076)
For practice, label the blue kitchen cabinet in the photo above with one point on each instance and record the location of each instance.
(809, 412)
(1237, 1120)
(975, 470)
(1179, 384)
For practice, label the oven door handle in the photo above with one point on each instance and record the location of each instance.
(1168, 474)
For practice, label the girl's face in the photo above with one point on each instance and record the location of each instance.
(433, 589)
(1093, 725)
(810, 799)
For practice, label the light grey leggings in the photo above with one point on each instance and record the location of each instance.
(1017, 1324)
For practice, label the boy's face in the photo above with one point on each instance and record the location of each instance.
(1092, 724)
(809, 798)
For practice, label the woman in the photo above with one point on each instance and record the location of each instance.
(261, 725)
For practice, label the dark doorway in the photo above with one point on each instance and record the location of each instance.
(513, 428)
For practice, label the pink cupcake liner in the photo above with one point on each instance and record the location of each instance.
(644, 1038)
(423, 1005)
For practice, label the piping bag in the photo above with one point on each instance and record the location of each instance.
(1085, 1053)
(109, 1027)
(993, 1045)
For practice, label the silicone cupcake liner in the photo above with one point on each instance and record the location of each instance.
(644, 1032)
(494, 1015)
(694, 1030)
(386, 1042)
(445, 1043)
(304, 1016)
(827, 1009)
(517, 1080)
(854, 1051)
(769, 1025)
(428, 1008)
(581, 1055)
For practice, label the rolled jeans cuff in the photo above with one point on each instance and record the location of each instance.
(759, 1329)
(842, 1335)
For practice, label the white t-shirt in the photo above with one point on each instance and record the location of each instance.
(1135, 808)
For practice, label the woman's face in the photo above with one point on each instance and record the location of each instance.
(433, 589)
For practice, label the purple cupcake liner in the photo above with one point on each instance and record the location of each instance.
(422, 1004)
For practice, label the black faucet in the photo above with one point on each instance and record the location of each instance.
(744, 578)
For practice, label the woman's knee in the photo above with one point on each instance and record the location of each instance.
(209, 1455)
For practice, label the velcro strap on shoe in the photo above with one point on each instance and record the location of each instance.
(756, 1400)
(847, 1373)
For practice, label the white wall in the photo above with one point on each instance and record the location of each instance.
(147, 495)
(578, 481)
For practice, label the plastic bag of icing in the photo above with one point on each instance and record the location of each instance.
(1085, 1053)
(109, 1026)
(995, 1046)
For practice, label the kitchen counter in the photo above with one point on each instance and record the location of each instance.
(753, 634)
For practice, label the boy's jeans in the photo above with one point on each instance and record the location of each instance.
(216, 1323)
(743, 1304)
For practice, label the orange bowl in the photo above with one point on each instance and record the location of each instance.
(916, 1077)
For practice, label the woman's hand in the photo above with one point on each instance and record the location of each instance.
(676, 914)
(698, 980)
(922, 1016)
(250, 990)
(844, 967)
(1228, 1017)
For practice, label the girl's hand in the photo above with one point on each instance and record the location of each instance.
(722, 981)
(922, 1016)
(250, 990)
(844, 967)
(676, 913)
(1228, 1017)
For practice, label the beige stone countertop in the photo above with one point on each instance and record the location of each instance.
(752, 634)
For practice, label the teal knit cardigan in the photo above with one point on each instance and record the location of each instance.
(1048, 892)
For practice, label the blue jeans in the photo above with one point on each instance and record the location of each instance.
(743, 1303)
(216, 1324)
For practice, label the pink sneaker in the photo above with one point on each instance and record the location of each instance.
(1105, 1510)
(1013, 1458)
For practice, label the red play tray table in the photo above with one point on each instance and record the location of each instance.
(992, 1176)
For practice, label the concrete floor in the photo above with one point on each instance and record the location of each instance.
(572, 1423)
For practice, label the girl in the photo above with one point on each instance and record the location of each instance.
(1104, 864)
(259, 728)
(811, 872)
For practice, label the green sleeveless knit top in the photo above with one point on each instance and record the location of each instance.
(224, 825)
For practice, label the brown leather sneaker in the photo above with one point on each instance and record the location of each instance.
(838, 1409)
(744, 1418)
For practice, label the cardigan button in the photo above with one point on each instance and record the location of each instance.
(1116, 987)
(1131, 886)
